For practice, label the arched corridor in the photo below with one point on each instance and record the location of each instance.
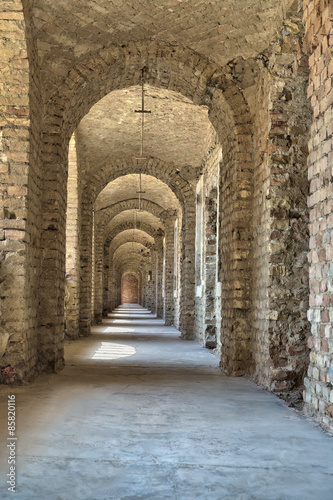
(175, 156)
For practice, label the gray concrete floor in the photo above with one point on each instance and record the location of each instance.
(138, 413)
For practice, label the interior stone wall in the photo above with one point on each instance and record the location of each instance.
(318, 394)
(72, 296)
(129, 289)
(234, 130)
(205, 311)
(19, 205)
(280, 270)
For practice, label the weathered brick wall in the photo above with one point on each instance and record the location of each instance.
(280, 272)
(159, 274)
(235, 208)
(318, 395)
(169, 302)
(18, 332)
(207, 306)
(177, 290)
(72, 296)
(129, 289)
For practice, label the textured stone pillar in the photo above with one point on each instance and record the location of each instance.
(144, 287)
(18, 218)
(99, 255)
(318, 394)
(72, 296)
(86, 268)
(106, 303)
(187, 269)
(169, 217)
(153, 280)
(210, 269)
(159, 275)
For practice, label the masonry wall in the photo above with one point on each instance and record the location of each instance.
(318, 394)
(72, 296)
(235, 237)
(18, 229)
(206, 324)
(280, 272)
(129, 289)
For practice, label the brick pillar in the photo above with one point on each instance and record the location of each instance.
(169, 217)
(210, 270)
(187, 269)
(53, 237)
(318, 394)
(72, 297)
(18, 217)
(159, 275)
(99, 254)
(144, 285)
(153, 279)
(149, 285)
(106, 303)
(86, 267)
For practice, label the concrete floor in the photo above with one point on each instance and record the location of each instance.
(137, 413)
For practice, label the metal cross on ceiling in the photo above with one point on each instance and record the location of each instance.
(143, 111)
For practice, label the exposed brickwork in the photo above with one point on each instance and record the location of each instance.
(206, 304)
(72, 296)
(129, 289)
(280, 275)
(215, 81)
(18, 306)
(318, 19)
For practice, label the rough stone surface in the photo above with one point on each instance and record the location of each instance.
(226, 84)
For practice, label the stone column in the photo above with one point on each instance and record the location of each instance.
(99, 255)
(106, 303)
(210, 270)
(86, 268)
(159, 275)
(153, 279)
(187, 271)
(19, 257)
(72, 295)
(169, 217)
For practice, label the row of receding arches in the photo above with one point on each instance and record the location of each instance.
(132, 239)
(74, 212)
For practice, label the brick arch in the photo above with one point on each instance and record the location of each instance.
(139, 247)
(171, 67)
(114, 247)
(103, 217)
(154, 167)
(106, 215)
(130, 225)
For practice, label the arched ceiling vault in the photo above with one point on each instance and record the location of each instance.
(223, 29)
(128, 248)
(88, 56)
(127, 187)
(176, 131)
(136, 236)
(146, 229)
(128, 216)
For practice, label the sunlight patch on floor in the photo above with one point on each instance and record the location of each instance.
(118, 329)
(108, 350)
